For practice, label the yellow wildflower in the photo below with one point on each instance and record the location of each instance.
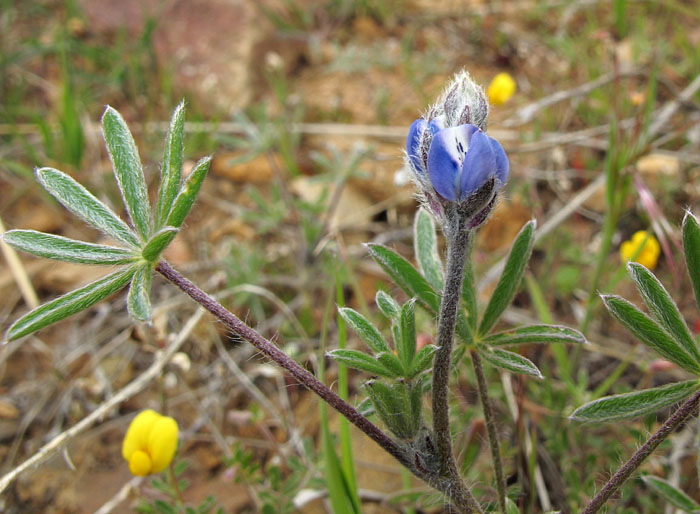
(501, 89)
(645, 246)
(150, 443)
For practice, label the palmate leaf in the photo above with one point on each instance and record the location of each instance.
(138, 300)
(171, 172)
(83, 204)
(127, 170)
(362, 361)
(425, 247)
(365, 329)
(691, 249)
(69, 250)
(510, 278)
(649, 332)
(663, 307)
(188, 193)
(634, 404)
(69, 304)
(672, 494)
(406, 276)
(512, 362)
(535, 334)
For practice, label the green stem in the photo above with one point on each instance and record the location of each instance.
(176, 488)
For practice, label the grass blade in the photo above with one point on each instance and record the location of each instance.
(69, 304)
(171, 174)
(510, 279)
(83, 204)
(127, 170)
(691, 249)
(634, 404)
(62, 248)
(188, 193)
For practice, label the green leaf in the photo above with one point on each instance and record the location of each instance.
(389, 307)
(535, 334)
(391, 362)
(406, 347)
(361, 361)
(188, 193)
(160, 240)
(664, 308)
(366, 330)
(127, 170)
(63, 249)
(423, 360)
(512, 362)
(671, 494)
(510, 278)
(171, 173)
(396, 406)
(139, 299)
(636, 403)
(83, 204)
(69, 304)
(339, 489)
(406, 276)
(691, 248)
(649, 332)
(425, 247)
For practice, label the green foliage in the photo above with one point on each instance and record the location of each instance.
(535, 334)
(398, 405)
(426, 249)
(691, 249)
(672, 494)
(636, 403)
(510, 278)
(512, 362)
(144, 243)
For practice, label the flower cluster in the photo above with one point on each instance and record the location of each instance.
(150, 443)
(455, 165)
(646, 248)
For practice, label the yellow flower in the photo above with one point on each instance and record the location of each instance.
(501, 89)
(645, 246)
(150, 443)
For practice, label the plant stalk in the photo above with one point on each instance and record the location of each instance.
(494, 444)
(451, 485)
(629, 467)
(457, 250)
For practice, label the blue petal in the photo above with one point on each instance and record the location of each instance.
(479, 164)
(413, 142)
(447, 152)
(437, 124)
(502, 165)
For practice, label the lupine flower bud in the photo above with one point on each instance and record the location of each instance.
(150, 443)
(456, 166)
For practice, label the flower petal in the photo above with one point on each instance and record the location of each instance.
(479, 164)
(136, 437)
(162, 443)
(448, 151)
(413, 142)
(140, 463)
(502, 165)
(437, 124)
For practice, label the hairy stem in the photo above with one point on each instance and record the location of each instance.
(452, 486)
(482, 387)
(457, 248)
(629, 467)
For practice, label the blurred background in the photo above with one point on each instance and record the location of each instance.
(305, 106)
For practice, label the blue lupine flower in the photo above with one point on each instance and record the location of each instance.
(457, 160)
